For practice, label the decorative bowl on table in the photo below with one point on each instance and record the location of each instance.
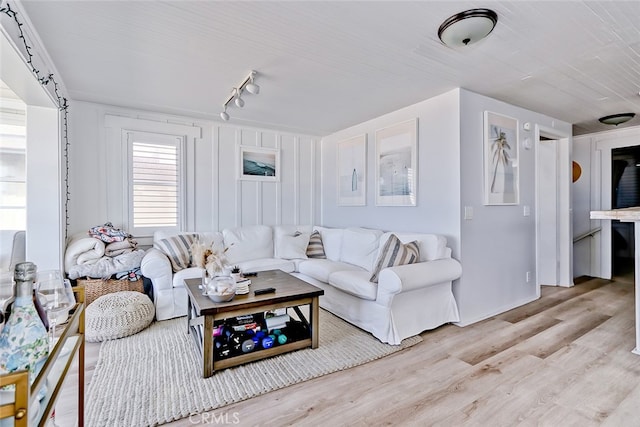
(220, 288)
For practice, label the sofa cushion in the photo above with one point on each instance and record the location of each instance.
(355, 283)
(188, 273)
(247, 243)
(321, 269)
(12, 249)
(285, 242)
(176, 248)
(360, 247)
(265, 264)
(395, 253)
(432, 246)
(292, 246)
(315, 249)
(331, 241)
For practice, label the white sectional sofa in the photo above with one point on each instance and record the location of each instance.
(407, 299)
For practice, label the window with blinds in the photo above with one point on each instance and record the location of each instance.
(155, 181)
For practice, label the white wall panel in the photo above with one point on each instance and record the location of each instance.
(216, 198)
(229, 189)
(45, 213)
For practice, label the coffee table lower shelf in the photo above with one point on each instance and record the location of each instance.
(250, 357)
(291, 293)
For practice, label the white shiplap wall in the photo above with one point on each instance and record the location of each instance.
(215, 198)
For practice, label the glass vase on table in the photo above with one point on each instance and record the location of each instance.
(56, 297)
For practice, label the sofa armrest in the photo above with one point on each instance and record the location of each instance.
(402, 278)
(156, 266)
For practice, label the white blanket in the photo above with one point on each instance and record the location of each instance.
(83, 250)
(106, 266)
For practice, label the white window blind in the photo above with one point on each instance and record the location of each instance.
(155, 184)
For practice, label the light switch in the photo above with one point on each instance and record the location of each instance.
(468, 212)
(526, 211)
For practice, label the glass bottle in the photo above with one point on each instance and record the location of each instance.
(24, 341)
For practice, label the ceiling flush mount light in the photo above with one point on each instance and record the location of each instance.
(616, 119)
(468, 27)
(236, 93)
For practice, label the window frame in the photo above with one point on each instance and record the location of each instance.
(179, 141)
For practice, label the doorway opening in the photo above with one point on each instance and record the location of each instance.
(554, 251)
(625, 193)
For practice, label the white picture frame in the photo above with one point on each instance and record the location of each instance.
(352, 171)
(397, 164)
(500, 153)
(258, 164)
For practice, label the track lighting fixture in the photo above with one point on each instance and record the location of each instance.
(236, 93)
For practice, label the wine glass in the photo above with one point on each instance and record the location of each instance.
(55, 296)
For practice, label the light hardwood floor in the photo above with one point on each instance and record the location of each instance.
(562, 360)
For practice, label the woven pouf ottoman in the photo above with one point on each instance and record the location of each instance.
(117, 315)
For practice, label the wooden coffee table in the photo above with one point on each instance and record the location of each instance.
(291, 292)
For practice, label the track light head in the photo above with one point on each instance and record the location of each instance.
(224, 115)
(239, 102)
(253, 88)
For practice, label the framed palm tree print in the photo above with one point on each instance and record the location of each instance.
(501, 183)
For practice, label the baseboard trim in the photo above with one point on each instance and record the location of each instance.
(466, 322)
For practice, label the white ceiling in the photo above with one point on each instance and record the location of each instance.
(324, 66)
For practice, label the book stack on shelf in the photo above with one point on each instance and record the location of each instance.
(242, 286)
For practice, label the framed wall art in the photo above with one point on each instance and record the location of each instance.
(397, 164)
(352, 171)
(501, 186)
(258, 163)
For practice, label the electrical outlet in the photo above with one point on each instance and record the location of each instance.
(528, 276)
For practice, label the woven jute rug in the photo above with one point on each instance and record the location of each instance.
(155, 377)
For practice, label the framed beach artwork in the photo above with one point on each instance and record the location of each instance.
(258, 163)
(501, 186)
(352, 171)
(396, 164)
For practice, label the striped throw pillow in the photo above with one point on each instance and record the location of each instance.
(176, 248)
(315, 249)
(395, 253)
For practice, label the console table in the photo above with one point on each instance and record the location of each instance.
(629, 215)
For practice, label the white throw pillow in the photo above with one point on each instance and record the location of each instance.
(292, 247)
(248, 243)
(360, 247)
(331, 241)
